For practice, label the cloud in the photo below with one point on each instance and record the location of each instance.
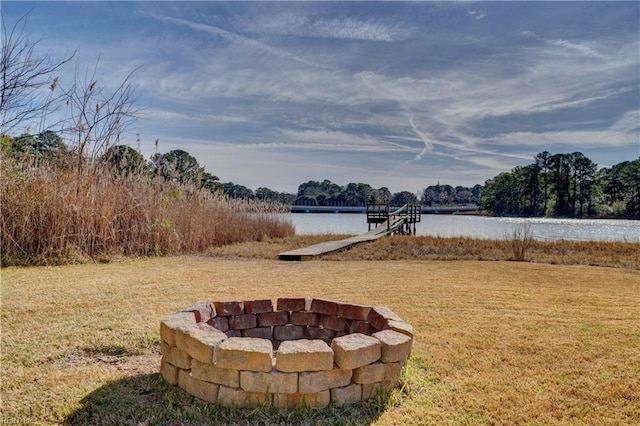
(478, 14)
(584, 49)
(236, 38)
(624, 132)
(173, 115)
(355, 30)
(311, 24)
(628, 124)
(428, 146)
(449, 103)
(332, 141)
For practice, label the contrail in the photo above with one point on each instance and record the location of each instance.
(428, 146)
(212, 29)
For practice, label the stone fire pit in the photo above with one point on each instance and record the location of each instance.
(305, 352)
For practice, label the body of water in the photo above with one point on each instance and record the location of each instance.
(543, 229)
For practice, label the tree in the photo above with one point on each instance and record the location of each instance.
(210, 182)
(612, 183)
(543, 161)
(320, 193)
(561, 181)
(178, 166)
(5, 144)
(351, 194)
(265, 194)
(584, 172)
(383, 195)
(439, 195)
(574, 186)
(24, 75)
(446, 195)
(429, 196)
(124, 159)
(404, 197)
(329, 193)
(501, 195)
(237, 191)
(269, 195)
(631, 179)
(476, 191)
(529, 179)
(45, 146)
(359, 194)
(464, 196)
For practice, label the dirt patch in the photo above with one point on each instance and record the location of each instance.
(133, 364)
(147, 363)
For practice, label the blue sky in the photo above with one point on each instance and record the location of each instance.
(393, 94)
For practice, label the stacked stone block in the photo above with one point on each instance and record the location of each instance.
(312, 352)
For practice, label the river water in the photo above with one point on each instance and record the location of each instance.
(494, 228)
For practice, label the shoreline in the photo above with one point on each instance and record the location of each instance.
(419, 248)
(621, 255)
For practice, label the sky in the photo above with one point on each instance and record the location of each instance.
(396, 94)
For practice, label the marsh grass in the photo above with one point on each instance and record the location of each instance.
(52, 215)
(496, 342)
(521, 240)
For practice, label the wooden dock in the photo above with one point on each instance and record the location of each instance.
(388, 224)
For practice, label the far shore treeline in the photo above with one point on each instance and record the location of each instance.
(566, 185)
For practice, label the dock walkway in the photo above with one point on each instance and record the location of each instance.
(395, 222)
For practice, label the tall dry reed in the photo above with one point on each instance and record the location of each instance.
(51, 215)
(521, 240)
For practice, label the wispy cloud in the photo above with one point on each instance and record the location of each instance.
(258, 45)
(408, 91)
(584, 49)
(478, 14)
(173, 115)
(428, 146)
(629, 124)
(306, 23)
(624, 132)
(334, 141)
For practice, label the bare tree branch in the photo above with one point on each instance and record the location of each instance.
(24, 97)
(97, 118)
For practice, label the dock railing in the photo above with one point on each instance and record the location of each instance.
(377, 213)
(414, 215)
(410, 214)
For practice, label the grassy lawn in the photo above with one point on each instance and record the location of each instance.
(496, 342)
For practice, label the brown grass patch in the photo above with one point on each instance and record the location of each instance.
(594, 253)
(269, 249)
(496, 342)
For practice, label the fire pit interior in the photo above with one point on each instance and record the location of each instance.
(312, 352)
